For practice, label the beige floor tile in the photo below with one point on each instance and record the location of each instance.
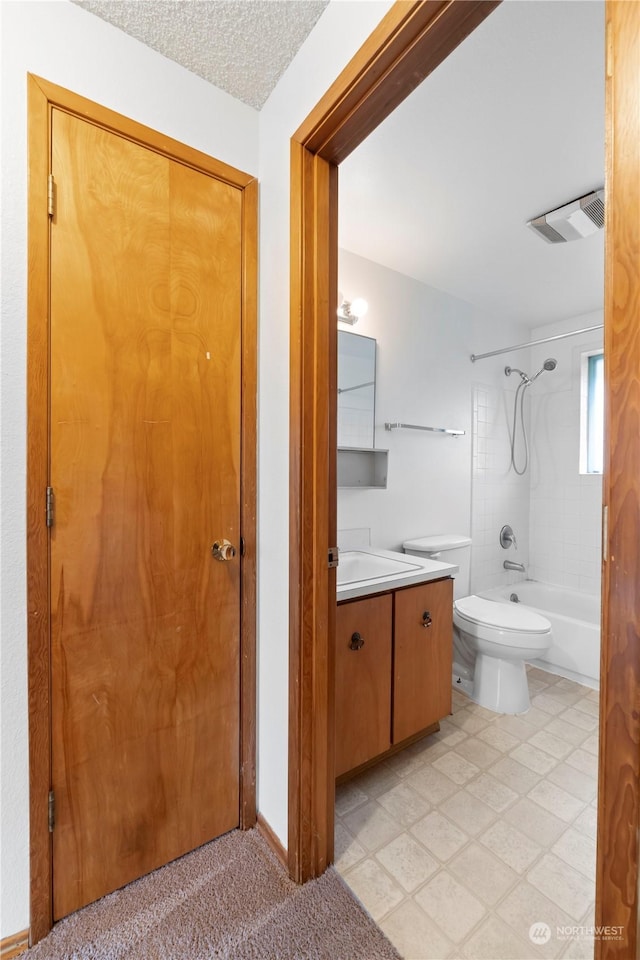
(588, 705)
(431, 784)
(347, 849)
(584, 761)
(469, 813)
(587, 822)
(593, 695)
(511, 846)
(551, 744)
(573, 781)
(498, 738)
(451, 905)
(439, 835)
(483, 873)
(375, 889)
(348, 797)
(403, 764)
(492, 792)
(543, 675)
(592, 745)
(414, 935)
(468, 721)
(494, 940)
(564, 696)
(477, 752)
(578, 850)
(371, 825)
(456, 767)
(556, 800)
(538, 824)
(525, 907)
(407, 861)
(582, 948)
(567, 731)
(514, 774)
(377, 780)
(570, 686)
(572, 891)
(478, 711)
(548, 704)
(517, 726)
(534, 758)
(580, 719)
(404, 804)
(449, 732)
(536, 718)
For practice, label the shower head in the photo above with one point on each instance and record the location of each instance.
(509, 370)
(549, 364)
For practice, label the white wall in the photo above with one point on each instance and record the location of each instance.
(424, 376)
(68, 46)
(340, 31)
(566, 506)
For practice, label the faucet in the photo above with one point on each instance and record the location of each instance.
(510, 565)
(507, 537)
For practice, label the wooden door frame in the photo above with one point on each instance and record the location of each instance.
(411, 40)
(43, 96)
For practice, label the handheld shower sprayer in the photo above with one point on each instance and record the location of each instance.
(525, 381)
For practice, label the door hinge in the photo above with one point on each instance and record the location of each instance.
(334, 557)
(52, 811)
(605, 532)
(242, 546)
(51, 195)
(50, 508)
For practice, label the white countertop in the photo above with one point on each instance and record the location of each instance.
(418, 570)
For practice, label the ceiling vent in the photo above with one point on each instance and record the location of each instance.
(577, 219)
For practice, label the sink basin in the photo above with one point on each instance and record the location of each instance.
(356, 566)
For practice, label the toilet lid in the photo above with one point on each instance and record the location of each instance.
(504, 616)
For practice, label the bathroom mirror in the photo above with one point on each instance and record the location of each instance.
(356, 390)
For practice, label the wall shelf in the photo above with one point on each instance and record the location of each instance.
(362, 467)
(415, 426)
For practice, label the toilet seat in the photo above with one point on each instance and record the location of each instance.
(502, 623)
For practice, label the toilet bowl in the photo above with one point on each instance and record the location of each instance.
(491, 640)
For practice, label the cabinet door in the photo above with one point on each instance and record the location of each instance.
(363, 688)
(423, 642)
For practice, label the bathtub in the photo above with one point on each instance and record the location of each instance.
(575, 627)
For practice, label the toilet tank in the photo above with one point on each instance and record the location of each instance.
(449, 548)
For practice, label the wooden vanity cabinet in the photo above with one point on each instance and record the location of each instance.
(363, 690)
(393, 669)
(423, 650)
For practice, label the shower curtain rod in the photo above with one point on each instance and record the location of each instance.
(534, 343)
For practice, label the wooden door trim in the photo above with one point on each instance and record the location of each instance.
(411, 40)
(42, 97)
(619, 761)
(373, 83)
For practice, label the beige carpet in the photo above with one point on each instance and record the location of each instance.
(230, 899)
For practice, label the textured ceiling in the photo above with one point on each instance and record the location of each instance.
(241, 46)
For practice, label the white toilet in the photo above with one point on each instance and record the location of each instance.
(491, 640)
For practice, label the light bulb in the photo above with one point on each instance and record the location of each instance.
(359, 307)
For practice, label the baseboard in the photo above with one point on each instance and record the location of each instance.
(265, 831)
(14, 946)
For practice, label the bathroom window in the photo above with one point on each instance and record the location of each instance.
(592, 413)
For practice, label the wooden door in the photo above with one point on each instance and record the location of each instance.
(423, 650)
(363, 681)
(145, 459)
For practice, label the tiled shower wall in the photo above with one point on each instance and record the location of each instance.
(498, 495)
(566, 506)
(554, 510)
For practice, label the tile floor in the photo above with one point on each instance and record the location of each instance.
(459, 844)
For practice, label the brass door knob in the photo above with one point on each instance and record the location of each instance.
(426, 619)
(223, 550)
(356, 642)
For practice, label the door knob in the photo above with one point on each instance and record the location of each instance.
(356, 642)
(426, 619)
(223, 550)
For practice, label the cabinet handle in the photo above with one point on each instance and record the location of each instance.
(426, 619)
(357, 642)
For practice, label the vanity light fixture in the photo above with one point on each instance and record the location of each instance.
(350, 311)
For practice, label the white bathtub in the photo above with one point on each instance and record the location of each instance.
(575, 627)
